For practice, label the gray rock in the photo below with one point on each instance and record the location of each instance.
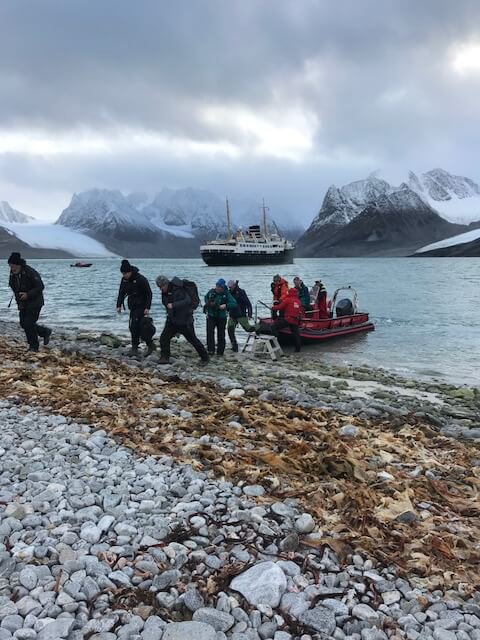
(7, 608)
(321, 619)
(166, 579)
(219, 620)
(443, 634)
(267, 629)
(91, 533)
(364, 612)
(58, 629)
(264, 583)
(373, 634)
(25, 634)
(305, 523)
(189, 631)
(28, 578)
(391, 597)
(12, 623)
(290, 542)
(193, 600)
(337, 606)
(253, 490)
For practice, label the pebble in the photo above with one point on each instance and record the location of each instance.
(263, 583)
(189, 631)
(305, 523)
(321, 619)
(93, 515)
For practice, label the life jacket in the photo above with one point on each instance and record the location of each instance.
(279, 289)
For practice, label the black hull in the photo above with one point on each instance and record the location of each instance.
(219, 259)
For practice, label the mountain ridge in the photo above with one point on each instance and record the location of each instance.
(351, 219)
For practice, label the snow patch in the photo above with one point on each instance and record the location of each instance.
(462, 238)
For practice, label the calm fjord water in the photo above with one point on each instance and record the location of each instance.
(426, 311)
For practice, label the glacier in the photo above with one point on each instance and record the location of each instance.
(50, 236)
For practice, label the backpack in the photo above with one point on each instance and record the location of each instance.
(191, 288)
(147, 329)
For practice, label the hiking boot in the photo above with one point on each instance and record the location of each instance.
(46, 337)
(163, 360)
(150, 349)
(235, 348)
(133, 352)
(32, 349)
(204, 362)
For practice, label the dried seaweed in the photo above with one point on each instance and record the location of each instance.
(429, 526)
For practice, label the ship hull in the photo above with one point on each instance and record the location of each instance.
(230, 259)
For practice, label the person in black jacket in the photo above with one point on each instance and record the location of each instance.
(27, 287)
(177, 302)
(135, 287)
(240, 314)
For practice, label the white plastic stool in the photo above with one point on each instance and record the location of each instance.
(262, 345)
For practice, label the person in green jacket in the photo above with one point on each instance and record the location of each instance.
(218, 302)
(303, 293)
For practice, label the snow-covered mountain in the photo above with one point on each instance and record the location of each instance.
(456, 198)
(198, 212)
(105, 212)
(173, 222)
(372, 216)
(341, 206)
(203, 213)
(9, 214)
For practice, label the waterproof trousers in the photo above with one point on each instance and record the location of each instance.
(136, 316)
(188, 332)
(218, 324)
(281, 323)
(232, 325)
(28, 322)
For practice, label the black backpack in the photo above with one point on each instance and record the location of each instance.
(191, 288)
(147, 329)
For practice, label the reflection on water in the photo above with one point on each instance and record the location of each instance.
(425, 310)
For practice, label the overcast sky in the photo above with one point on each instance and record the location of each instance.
(273, 98)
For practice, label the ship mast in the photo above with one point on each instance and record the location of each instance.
(229, 227)
(264, 210)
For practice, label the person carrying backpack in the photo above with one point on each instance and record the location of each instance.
(180, 299)
(27, 287)
(240, 314)
(136, 288)
(218, 302)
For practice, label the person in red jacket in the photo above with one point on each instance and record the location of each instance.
(292, 313)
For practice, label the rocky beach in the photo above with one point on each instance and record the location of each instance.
(247, 500)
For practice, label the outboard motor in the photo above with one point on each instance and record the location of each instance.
(344, 307)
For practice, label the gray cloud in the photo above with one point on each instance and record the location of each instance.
(372, 78)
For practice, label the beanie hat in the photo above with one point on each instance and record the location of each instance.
(220, 282)
(162, 281)
(232, 283)
(15, 258)
(125, 267)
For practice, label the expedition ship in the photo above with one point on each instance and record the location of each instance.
(252, 247)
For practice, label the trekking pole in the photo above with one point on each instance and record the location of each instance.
(10, 303)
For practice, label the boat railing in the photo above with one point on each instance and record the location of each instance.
(263, 304)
